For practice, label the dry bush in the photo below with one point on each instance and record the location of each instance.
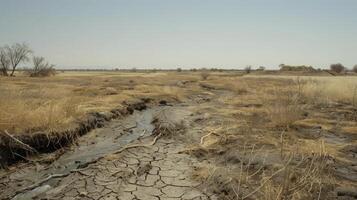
(248, 69)
(205, 75)
(285, 108)
(338, 67)
(41, 68)
(167, 123)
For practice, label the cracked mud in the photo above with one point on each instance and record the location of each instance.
(158, 172)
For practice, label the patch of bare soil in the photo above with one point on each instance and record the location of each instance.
(157, 172)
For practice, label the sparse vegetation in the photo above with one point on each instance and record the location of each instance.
(284, 109)
(253, 137)
(41, 68)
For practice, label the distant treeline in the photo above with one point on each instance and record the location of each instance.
(149, 70)
(334, 68)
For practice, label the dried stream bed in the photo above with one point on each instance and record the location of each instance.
(154, 172)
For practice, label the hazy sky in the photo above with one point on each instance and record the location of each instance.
(184, 33)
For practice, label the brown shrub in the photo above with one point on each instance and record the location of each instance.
(338, 67)
(41, 68)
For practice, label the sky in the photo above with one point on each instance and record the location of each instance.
(183, 33)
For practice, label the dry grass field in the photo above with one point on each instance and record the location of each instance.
(52, 104)
(256, 136)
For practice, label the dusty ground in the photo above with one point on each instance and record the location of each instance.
(235, 138)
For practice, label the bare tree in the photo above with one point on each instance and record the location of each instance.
(4, 62)
(41, 67)
(16, 54)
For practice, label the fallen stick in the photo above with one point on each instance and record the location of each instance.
(210, 133)
(128, 128)
(138, 145)
(26, 146)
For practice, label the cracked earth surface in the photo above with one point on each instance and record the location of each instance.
(157, 172)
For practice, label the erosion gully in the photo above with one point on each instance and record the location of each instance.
(92, 146)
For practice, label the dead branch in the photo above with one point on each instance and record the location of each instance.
(24, 146)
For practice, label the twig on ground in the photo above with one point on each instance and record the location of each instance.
(138, 145)
(210, 133)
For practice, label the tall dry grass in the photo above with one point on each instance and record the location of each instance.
(331, 89)
(287, 104)
(296, 176)
(296, 168)
(284, 109)
(56, 103)
(37, 109)
(323, 89)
